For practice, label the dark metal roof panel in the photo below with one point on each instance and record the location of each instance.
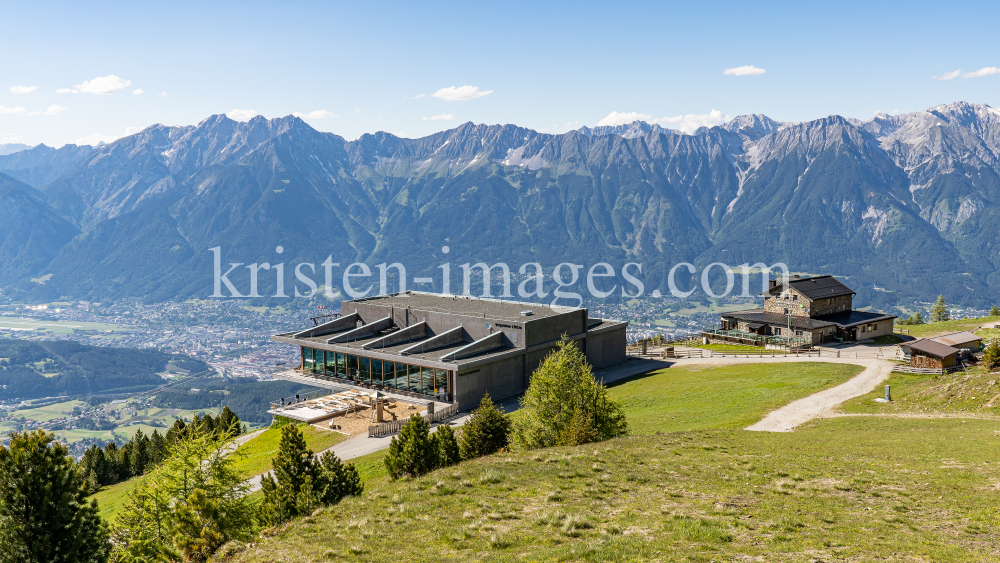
(932, 348)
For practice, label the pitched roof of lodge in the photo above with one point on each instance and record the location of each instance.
(846, 319)
(957, 338)
(931, 348)
(816, 287)
(777, 319)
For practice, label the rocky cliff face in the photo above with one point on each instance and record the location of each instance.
(908, 203)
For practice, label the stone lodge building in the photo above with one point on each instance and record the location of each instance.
(803, 312)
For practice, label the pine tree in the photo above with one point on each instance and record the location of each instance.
(412, 453)
(994, 311)
(565, 405)
(293, 466)
(338, 480)
(991, 355)
(448, 450)
(44, 516)
(939, 311)
(147, 527)
(196, 527)
(486, 432)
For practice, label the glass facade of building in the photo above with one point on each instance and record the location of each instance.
(393, 375)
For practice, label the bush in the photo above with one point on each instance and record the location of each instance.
(991, 356)
(412, 453)
(565, 405)
(486, 432)
(448, 450)
(994, 311)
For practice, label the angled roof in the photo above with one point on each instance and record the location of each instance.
(776, 319)
(849, 319)
(957, 338)
(816, 287)
(931, 348)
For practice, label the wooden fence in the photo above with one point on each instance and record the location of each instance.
(393, 426)
(926, 371)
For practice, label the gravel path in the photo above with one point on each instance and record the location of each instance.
(817, 405)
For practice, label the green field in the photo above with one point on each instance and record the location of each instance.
(690, 486)
(56, 327)
(44, 414)
(934, 329)
(701, 397)
(258, 452)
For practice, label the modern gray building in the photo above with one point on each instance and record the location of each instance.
(448, 348)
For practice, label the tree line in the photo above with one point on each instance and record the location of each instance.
(107, 466)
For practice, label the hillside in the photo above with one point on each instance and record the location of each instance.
(904, 207)
(689, 486)
(30, 370)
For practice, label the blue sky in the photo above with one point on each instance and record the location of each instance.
(361, 67)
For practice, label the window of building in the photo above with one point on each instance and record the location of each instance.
(795, 298)
(428, 381)
(798, 333)
(364, 370)
(376, 366)
(307, 359)
(786, 311)
(414, 378)
(352, 367)
(440, 381)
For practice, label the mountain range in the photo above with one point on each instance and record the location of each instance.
(904, 207)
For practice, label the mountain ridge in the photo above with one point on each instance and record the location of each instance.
(880, 201)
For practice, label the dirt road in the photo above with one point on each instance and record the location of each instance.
(817, 405)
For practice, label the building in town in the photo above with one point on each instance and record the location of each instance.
(447, 347)
(802, 312)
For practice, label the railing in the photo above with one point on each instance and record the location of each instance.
(393, 426)
(853, 353)
(741, 337)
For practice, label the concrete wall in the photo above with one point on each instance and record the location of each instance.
(606, 348)
(548, 329)
(500, 379)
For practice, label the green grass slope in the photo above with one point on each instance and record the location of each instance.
(852, 489)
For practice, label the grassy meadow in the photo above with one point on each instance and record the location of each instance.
(690, 485)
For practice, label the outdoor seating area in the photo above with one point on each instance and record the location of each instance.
(348, 412)
(752, 339)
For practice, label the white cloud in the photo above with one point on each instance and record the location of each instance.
(691, 122)
(132, 130)
(242, 114)
(96, 139)
(51, 110)
(747, 70)
(163, 94)
(317, 114)
(985, 71)
(102, 85)
(441, 117)
(687, 123)
(615, 118)
(417, 97)
(23, 89)
(461, 93)
(67, 91)
(138, 91)
(17, 110)
(10, 138)
(948, 75)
